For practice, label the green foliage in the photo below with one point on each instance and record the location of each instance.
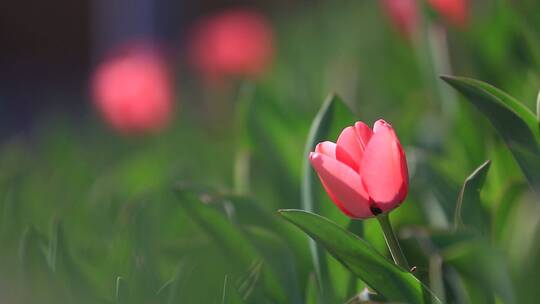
(393, 283)
(469, 210)
(88, 216)
(515, 123)
(333, 110)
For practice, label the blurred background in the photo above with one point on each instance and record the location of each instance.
(114, 111)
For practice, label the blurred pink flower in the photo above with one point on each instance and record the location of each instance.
(456, 12)
(403, 14)
(364, 172)
(133, 91)
(235, 42)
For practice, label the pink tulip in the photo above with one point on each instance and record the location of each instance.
(455, 12)
(132, 90)
(365, 171)
(236, 42)
(403, 14)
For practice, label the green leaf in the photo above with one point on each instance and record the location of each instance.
(246, 211)
(507, 203)
(484, 265)
(234, 243)
(248, 283)
(360, 258)
(230, 294)
(538, 107)
(62, 263)
(121, 291)
(470, 255)
(53, 246)
(469, 210)
(332, 109)
(516, 124)
(277, 255)
(176, 284)
(311, 289)
(243, 147)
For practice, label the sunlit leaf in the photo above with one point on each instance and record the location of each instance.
(507, 203)
(360, 258)
(517, 125)
(469, 210)
(332, 112)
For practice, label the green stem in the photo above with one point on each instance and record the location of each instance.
(392, 242)
(241, 171)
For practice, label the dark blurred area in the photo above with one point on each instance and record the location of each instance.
(48, 48)
(44, 58)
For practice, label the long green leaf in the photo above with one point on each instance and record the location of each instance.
(120, 291)
(474, 258)
(230, 294)
(320, 129)
(278, 256)
(360, 258)
(484, 265)
(231, 239)
(181, 276)
(507, 203)
(469, 210)
(516, 124)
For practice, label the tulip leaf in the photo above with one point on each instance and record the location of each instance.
(332, 109)
(471, 256)
(484, 265)
(61, 262)
(278, 255)
(230, 294)
(387, 279)
(469, 210)
(178, 282)
(516, 124)
(538, 106)
(231, 239)
(120, 291)
(507, 203)
(311, 289)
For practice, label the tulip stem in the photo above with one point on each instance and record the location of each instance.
(392, 241)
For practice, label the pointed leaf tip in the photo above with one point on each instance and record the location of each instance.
(515, 123)
(469, 211)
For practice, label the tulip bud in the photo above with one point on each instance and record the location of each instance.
(132, 90)
(403, 15)
(236, 42)
(456, 12)
(365, 171)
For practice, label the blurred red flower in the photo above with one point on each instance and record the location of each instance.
(235, 42)
(365, 171)
(455, 12)
(403, 15)
(133, 91)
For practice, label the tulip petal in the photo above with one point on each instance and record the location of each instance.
(384, 168)
(348, 149)
(351, 144)
(363, 132)
(327, 148)
(343, 185)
